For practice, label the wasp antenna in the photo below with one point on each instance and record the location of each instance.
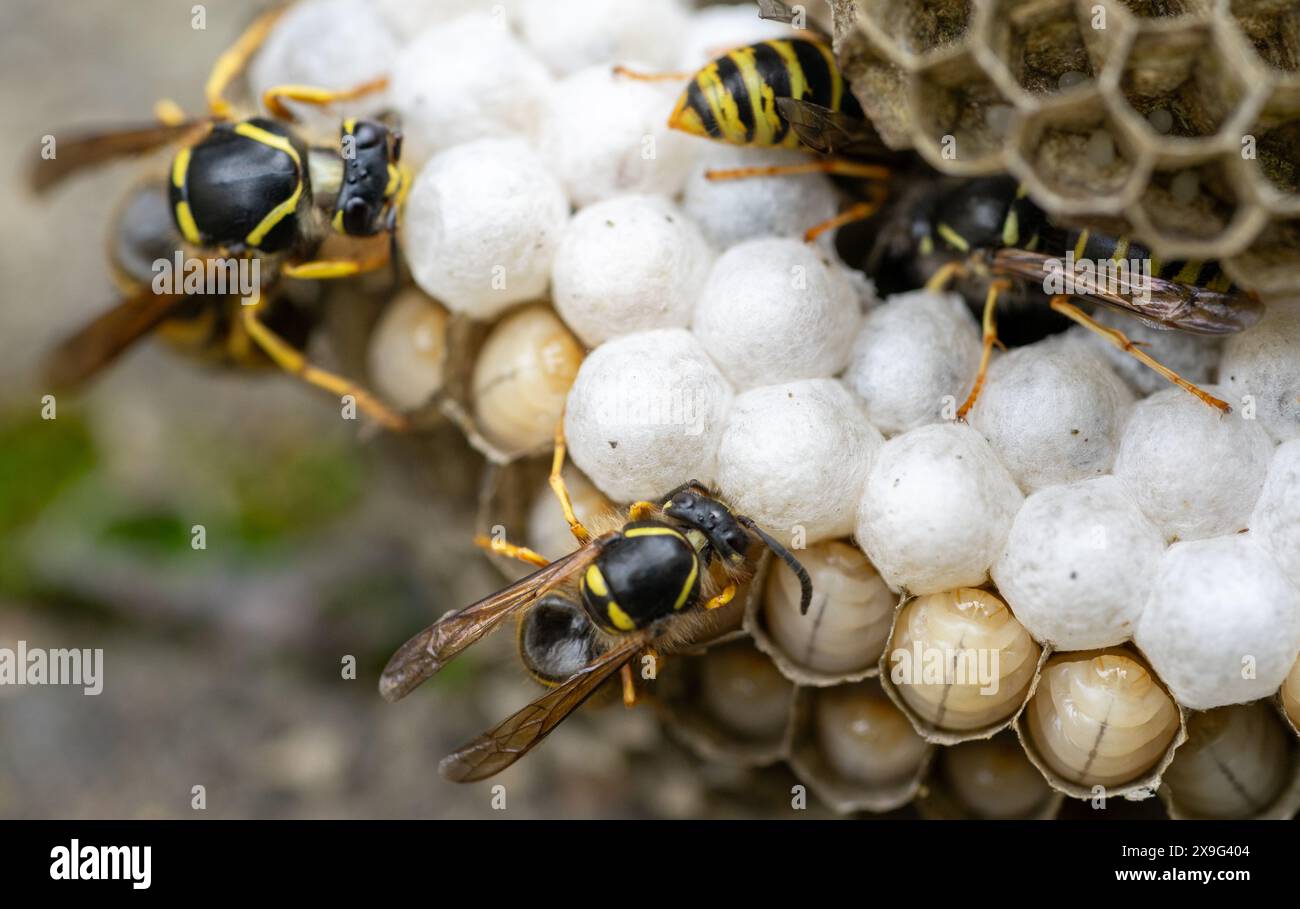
(805, 582)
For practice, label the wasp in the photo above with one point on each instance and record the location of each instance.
(646, 585)
(238, 190)
(990, 231)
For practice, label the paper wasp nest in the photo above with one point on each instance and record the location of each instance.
(1179, 118)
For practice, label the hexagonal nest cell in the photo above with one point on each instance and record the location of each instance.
(1189, 205)
(1165, 9)
(1272, 263)
(1183, 77)
(917, 27)
(1076, 152)
(1273, 27)
(1041, 45)
(961, 115)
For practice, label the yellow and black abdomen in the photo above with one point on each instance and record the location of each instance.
(650, 570)
(243, 186)
(733, 99)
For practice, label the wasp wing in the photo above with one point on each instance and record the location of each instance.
(514, 737)
(99, 343)
(423, 655)
(1165, 303)
(80, 152)
(833, 132)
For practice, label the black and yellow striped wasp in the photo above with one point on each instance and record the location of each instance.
(790, 93)
(239, 190)
(647, 583)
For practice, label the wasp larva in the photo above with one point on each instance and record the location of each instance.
(960, 662)
(521, 378)
(408, 350)
(1290, 696)
(991, 778)
(1100, 718)
(1236, 763)
(742, 690)
(843, 632)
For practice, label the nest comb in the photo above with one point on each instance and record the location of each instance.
(1179, 119)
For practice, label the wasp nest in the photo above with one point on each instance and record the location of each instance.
(1178, 117)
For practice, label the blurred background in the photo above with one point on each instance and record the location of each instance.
(223, 667)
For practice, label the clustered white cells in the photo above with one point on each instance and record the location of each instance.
(1104, 507)
(628, 264)
(482, 224)
(795, 456)
(1222, 624)
(914, 360)
(936, 509)
(775, 310)
(467, 78)
(1053, 413)
(1078, 564)
(1195, 473)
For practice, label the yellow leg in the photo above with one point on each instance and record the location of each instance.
(722, 599)
(292, 361)
(650, 77)
(325, 269)
(629, 685)
(639, 511)
(1116, 337)
(502, 547)
(168, 112)
(858, 212)
(233, 60)
(945, 276)
(273, 98)
(990, 338)
(562, 491)
(836, 166)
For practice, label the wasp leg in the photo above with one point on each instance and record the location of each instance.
(273, 98)
(722, 599)
(327, 269)
(945, 276)
(837, 166)
(505, 548)
(233, 60)
(292, 361)
(561, 491)
(629, 685)
(1116, 337)
(650, 77)
(990, 338)
(858, 212)
(168, 112)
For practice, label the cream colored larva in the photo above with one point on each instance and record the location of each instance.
(407, 354)
(521, 378)
(1235, 763)
(846, 626)
(960, 661)
(743, 691)
(1290, 696)
(1100, 718)
(863, 738)
(992, 778)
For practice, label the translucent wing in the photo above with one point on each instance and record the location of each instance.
(99, 343)
(514, 737)
(833, 132)
(1168, 303)
(80, 152)
(423, 655)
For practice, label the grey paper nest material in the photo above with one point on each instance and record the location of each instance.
(1179, 118)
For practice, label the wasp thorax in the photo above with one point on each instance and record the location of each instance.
(521, 378)
(846, 626)
(1290, 696)
(992, 778)
(960, 661)
(1235, 763)
(863, 737)
(1100, 718)
(408, 350)
(743, 691)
